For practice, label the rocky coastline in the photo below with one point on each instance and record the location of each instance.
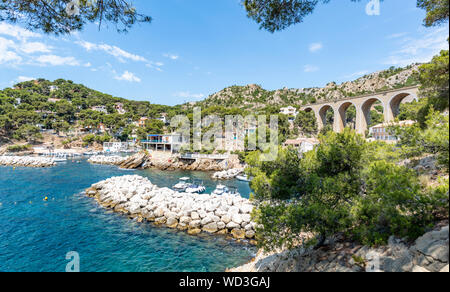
(429, 253)
(137, 198)
(163, 161)
(26, 161)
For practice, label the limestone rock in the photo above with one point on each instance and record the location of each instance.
(210, 228)
(238, 233)
(418, 269)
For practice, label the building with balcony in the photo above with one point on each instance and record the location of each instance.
(166, 143)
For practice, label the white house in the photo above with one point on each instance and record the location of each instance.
(120, 109)
(381, 132)
(53, 88)
(289, 111)
(100, 108)
(303, 144)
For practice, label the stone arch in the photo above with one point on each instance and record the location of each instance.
(366, 106)
(323, 115)
(396, 100)
(342, 114)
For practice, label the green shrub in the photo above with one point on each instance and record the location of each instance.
(394, 204)
(18, 148)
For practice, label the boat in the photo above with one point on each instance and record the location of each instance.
(195, 188)
(243, 177)
(224, 190)
(233, 191)
(220, 190)
(182, 185)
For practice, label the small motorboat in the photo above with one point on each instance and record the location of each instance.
(243, 178)
(182, 185)
(233, 191)
(220, 190)
(196, 188)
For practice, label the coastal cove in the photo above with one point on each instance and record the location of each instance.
(36, 235)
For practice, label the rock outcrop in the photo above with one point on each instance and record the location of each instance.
(227, 174)
(429, 253)
(138, 198)
(107, 160)
(26, 161)
(202, 164)
(134, 161)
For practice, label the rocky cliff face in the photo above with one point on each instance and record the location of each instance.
(254, 96)
(429, 253)
(174, 163)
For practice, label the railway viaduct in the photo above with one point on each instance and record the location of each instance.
(390, 101)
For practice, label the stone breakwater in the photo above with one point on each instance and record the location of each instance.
(138, 198)
(108, 160)
(227, 174)
(26, 161)
(429, 253)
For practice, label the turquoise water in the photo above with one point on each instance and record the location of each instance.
(36, 235)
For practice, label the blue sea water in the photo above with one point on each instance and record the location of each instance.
(36, 235)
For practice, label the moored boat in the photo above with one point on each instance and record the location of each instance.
(195, 187)
(220, 190)
(243, 178)
(182, 185)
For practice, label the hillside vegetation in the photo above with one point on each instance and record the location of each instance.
(255, 97)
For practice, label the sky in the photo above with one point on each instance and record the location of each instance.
(194, 48)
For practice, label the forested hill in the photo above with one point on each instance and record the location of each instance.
(62, 105)
(253, 96)
(46, 95)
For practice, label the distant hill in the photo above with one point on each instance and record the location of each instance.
(253, 96)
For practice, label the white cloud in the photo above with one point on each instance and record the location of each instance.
(128, 76)
(17, 31)
(419, 50)
(396, 35)
(25, 78)
(117, 52)
(57, 60)
(187, 94)
(310, 68)
(7, 54)
(34, 47)
(155, 65)
(315, 47)
(171, 56)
